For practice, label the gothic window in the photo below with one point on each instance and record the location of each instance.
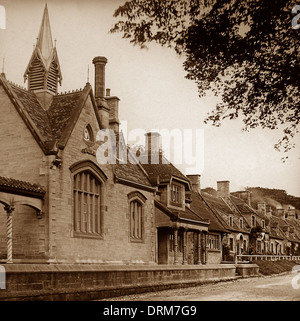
(136, 218)
(87, 200)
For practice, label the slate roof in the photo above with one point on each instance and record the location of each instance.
(162, 172)
(242, 207)
(50, 127)
(12, 185)
(61, 111)
(176, 215)
(198, 205)
(220, 208)
(132, 173)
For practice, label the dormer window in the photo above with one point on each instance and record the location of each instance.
(253, 223)
(263, 223)
(230, 221)
(175, 193)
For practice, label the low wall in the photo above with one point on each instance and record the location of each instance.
(90, 282)
(246, 270)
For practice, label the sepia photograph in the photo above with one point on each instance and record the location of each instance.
(149, 153)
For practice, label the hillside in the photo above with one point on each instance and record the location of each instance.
(277, 198)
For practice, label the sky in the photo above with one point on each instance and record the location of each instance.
(153, 91)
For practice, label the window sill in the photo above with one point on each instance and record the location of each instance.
(133, 240)
(87, 235)
(213, 250)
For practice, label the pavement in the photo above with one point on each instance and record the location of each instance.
(282, 287)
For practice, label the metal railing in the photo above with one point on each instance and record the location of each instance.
(245, 257)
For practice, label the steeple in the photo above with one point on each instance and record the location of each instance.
(43, 71)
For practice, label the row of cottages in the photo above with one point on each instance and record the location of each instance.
(60, 205)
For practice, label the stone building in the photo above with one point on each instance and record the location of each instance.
(60, 205)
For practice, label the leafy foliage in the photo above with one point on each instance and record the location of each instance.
(246, 52)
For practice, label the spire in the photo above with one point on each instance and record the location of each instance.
(44, 40)
(43, 71)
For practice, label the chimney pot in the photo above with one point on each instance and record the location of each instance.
(99, 63)
(107, 92)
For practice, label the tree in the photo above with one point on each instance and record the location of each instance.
(246, 52)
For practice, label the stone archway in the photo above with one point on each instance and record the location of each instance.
(10, 202)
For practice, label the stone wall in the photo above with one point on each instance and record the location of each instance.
(91, 282)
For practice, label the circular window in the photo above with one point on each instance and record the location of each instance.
(88, 134)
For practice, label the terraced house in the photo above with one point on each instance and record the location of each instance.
(59, 205)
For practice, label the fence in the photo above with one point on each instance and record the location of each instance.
(245, 257)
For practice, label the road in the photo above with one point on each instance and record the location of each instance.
(270, 288)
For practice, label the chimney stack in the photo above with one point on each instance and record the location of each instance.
(223, 190)
(99, 63)
(245, 196)
(269, 211)
(153, 147)
(261, 207)
(280, 213)
(113, 103)
(195, 182)
(103, 108)
(291, 212)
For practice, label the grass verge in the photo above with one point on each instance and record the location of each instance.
(275, 267)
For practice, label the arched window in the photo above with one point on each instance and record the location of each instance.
(87, 200)
(136, 220)
(136, 210)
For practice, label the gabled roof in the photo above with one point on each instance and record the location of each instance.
(132, 174)
(10, 185)
(275, 228)
(163, 172)
(221, 209)
(242, 207)
(199, 206)
(51, 128)
(127, 169)
(187, 215)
